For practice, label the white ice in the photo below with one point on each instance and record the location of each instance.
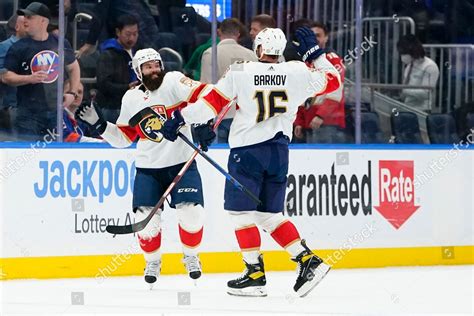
(407, 290)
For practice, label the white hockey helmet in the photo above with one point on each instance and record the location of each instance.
(142, 56)
(272, 41)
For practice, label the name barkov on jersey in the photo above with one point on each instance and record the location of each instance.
(269, 80)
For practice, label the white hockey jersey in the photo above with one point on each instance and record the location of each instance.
(153, 151)
(267, 95)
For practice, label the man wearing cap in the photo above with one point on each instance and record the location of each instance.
(32, 66)
(8, 94)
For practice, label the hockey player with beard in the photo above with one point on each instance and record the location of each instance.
(268, 94)
(158, 160)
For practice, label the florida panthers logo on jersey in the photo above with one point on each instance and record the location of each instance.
(46, 61)
(151, 125)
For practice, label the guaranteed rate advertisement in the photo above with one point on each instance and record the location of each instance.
(405, 198)
(58, 201)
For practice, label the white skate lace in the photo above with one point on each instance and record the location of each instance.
(152, 268)
(298, 269)
(192, 263)
(243, 275)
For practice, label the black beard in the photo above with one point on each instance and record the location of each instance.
(153, 84)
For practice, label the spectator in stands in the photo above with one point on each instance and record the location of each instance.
(107, 12)
(32, 66)
(259, 22)
(193, 66)
(74, 131)
(7, 93)
(419, 71)
(327, 109)
(164, 12)
(115, 74)
(228, 50)
(53, 6)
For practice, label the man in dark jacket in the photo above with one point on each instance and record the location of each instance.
(115, 74)
(106, 14)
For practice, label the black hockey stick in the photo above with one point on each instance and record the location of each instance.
(136, 227)
(230, 178)
(147, 112)
(203, 154)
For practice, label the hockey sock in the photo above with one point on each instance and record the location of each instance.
(190, 225)
(151, 247)
(190, 241)
(150, 237)
(287, 236)
(249, 242)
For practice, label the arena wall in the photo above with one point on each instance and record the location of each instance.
(358, 207)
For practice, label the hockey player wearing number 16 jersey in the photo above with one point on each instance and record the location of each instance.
(158, 161)
(268, 94)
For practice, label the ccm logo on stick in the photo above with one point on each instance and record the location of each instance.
(187, 190)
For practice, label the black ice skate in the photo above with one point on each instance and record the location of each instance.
(251, 283)
(152, 272)
(311, 270)
(193, 266)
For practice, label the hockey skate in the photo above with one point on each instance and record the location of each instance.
(193, 266)
(311, 270)
(251, 283)
(152, 272)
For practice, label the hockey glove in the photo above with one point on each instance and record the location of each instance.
(172, 125)
(91, 116)
(307, 45)
(204, 135)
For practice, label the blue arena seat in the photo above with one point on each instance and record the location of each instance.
(405, 128)
(442, 129)
(370, 128)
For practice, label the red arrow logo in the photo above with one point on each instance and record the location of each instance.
(396, 191)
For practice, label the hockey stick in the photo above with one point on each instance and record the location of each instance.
(136, 227)
(230, 178)
(147, 112)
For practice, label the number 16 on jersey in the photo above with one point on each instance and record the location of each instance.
(267, 103)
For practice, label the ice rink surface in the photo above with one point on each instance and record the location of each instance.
(444, 290)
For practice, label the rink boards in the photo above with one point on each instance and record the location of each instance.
(369, 206)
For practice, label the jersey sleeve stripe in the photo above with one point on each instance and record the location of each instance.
(177, 106)
(196, 92)
(129, 132)
(216, 100)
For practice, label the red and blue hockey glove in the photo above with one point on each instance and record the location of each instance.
(307, 45)
(172, 125)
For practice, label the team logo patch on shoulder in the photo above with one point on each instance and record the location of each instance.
(151, 124)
